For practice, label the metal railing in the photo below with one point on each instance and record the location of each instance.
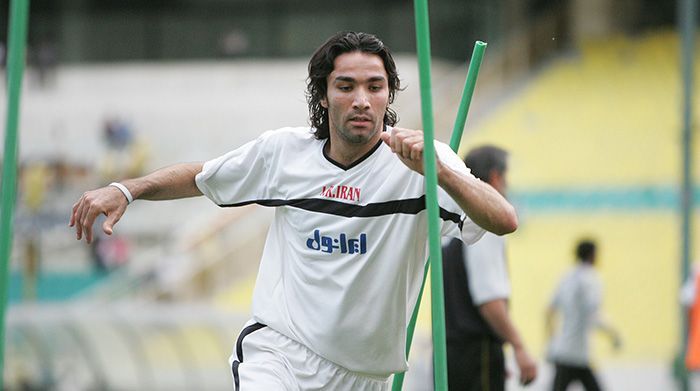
(124, 346)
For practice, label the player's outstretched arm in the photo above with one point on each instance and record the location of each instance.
(496, 314)
(481, 202)
(167, 183)
(604, 325)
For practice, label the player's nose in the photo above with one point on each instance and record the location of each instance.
(361, 100)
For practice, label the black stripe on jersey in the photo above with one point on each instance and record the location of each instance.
(405, 206)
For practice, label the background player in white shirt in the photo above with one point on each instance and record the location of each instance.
(343, 261)
(577, 298)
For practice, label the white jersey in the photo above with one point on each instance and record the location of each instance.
(578, 299)
(343, 261)
(487, 269)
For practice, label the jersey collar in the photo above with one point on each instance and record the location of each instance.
(356, 162)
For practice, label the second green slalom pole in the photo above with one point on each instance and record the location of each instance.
(467, 93)
(460, 121)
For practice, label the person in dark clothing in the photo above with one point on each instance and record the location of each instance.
(477, 290)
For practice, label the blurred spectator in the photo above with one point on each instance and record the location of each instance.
(32, 265)
(477, 290)
(117, 134)
(35, 182)
(126, 156)
(34, 186)
(108, 252)
(99, 263)
(577, 299)
(45, 61)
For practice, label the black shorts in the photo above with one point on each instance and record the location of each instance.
(567, 374)
(476, 365)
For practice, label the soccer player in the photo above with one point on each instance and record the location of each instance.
(477, 289)
(344, 257)
(577, 298)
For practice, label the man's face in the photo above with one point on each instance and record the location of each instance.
(357, 97)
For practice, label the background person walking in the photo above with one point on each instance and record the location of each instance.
(578, 299)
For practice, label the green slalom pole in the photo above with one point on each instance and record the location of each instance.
(431, 199)
(17, 39)
(467, 93)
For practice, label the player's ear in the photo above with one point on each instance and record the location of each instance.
(324, 103)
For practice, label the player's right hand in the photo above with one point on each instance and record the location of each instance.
(107, 200)
(616, 341)
(526, 365)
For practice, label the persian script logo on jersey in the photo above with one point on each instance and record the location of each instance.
(342, 192)
(329, 244)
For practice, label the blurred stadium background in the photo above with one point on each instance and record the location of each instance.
(586, 94)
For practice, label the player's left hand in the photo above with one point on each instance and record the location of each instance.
(408, 145)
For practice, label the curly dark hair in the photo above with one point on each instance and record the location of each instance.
(321, 65)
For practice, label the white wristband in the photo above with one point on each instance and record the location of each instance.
(124, 190)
